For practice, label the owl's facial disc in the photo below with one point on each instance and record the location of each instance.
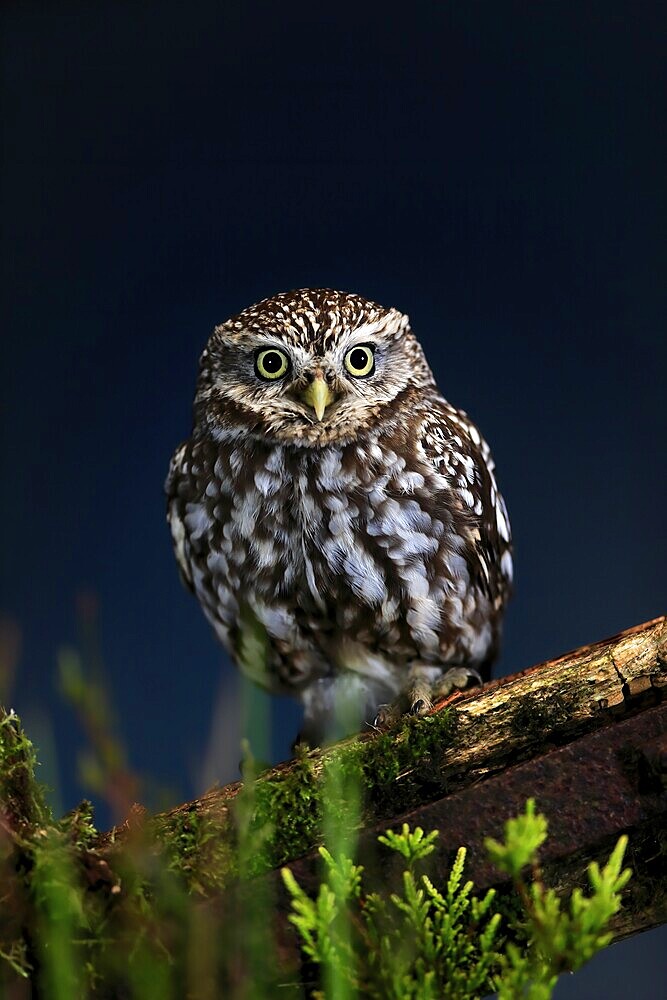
(308, 367)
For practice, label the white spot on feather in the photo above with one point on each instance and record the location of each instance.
(365, 576)
(178, 535)
(501, 521)
(197, 520)
(507, 566)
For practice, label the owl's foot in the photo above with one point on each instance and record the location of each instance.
(426, 686)
(456, 679)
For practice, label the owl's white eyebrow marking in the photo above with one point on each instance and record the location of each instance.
(391, 322)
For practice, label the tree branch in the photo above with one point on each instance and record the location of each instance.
(585, 734)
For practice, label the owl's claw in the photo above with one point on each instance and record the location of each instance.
(420, 705)
(387, 716)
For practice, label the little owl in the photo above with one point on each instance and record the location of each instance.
(337, 519)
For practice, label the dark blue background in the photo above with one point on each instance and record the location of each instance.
(496, 170)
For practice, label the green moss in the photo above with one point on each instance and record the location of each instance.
(289, 810)
(22, 797)
(84, 902)
(393, 770)
(25, 815)
(79, 827)
(399, 768)
(534, 716)
(198, 849)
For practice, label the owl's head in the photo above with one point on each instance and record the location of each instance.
(309, 367)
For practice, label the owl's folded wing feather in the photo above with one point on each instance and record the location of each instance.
(462, 458)
(174, 515)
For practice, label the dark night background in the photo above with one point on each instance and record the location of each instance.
(496, 170)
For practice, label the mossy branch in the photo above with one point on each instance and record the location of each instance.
(579, 701)
(584, 733)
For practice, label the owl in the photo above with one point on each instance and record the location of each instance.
(337, 519)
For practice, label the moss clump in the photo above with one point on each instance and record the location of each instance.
(402, 767)
(392, 770)
(21, 796)
(535, 715)
(198, 849)
(287, 816)
(79, 826)
(36, 858)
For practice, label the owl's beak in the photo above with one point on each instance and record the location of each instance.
(318, 395)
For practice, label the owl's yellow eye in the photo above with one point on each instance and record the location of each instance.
(360, 361)
(271, 363)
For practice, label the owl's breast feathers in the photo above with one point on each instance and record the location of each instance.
(391, 548)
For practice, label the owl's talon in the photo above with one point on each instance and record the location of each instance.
(387, 716)
(420, 706)
(381, 717)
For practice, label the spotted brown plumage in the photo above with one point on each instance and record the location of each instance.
(338, 520)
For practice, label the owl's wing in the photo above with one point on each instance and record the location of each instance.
(454, 447)
(174, 518)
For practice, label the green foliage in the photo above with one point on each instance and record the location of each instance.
(60, 916)
(523, 838)
(419, 942)
(411, 844)
(426, 942)
(562, 937)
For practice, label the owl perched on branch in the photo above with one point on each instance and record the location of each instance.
(338, 520)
